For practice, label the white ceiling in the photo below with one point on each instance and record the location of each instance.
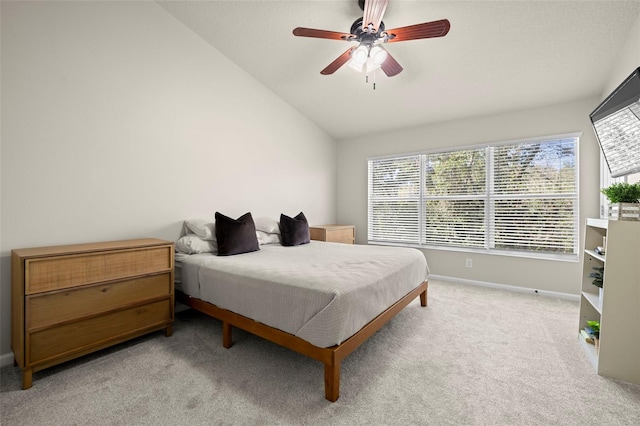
(498, 56)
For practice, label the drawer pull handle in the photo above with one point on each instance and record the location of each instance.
(104, 290)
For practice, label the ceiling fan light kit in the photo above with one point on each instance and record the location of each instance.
(360, 55)
(369, 32)
(377, 55)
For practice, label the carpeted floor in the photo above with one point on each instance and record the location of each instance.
(474, 356)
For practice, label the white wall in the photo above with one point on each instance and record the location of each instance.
(627, 60)
(118, 122)
(557, 276)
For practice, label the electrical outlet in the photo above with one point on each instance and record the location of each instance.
(469, 263)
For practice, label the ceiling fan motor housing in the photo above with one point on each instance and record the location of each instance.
(365, 37)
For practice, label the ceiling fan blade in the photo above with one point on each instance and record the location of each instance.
(340, 61)
(390, 66)
(331, 35)
(415, 32)
(373, 11)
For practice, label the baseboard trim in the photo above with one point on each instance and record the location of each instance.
(547, 293)
(6, 359)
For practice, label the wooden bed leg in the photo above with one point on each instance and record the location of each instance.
(423, 296)
(168, 331)
(332, 381)
(227, 340)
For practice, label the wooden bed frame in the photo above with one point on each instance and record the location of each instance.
(331, 357)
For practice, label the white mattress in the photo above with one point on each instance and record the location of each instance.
(321, 292)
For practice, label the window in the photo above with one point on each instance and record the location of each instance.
(510, 197)
(606, 180)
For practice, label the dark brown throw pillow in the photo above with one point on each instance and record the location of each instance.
(236, 236)
(294, 231)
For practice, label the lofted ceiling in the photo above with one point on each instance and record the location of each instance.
(498, 56)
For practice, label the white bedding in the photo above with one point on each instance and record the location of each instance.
(321, 292)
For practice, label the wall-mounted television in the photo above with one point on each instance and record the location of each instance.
(616, 122)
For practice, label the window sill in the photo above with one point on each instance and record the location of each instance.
(573, 257)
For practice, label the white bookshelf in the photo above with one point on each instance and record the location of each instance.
(619, 309)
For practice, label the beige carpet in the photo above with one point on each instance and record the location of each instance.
(474, 356)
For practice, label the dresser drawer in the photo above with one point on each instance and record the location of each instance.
(54, 273)
(51, 308)
(80, 335)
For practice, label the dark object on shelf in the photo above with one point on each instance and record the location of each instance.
(598, 277)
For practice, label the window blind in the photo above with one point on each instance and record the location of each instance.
(534, 196)
(455, 187)
(394, 198)
(620, 136)
(499, 197)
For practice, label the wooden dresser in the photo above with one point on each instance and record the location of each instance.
(68, 301)
(334, 233)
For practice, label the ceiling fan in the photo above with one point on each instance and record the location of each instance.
(369, 33)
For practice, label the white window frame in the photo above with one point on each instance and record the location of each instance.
(488, 197)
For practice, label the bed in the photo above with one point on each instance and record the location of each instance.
(320, 299)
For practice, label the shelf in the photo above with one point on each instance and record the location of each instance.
(600, 257)
(620, 316)
(594, 300)
(590, 351)
(598, 223)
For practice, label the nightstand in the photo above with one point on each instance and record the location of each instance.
(334, 233)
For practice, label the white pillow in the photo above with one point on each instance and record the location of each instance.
(265, 238)
(203, 228)
(192, 244)
(268, 225)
